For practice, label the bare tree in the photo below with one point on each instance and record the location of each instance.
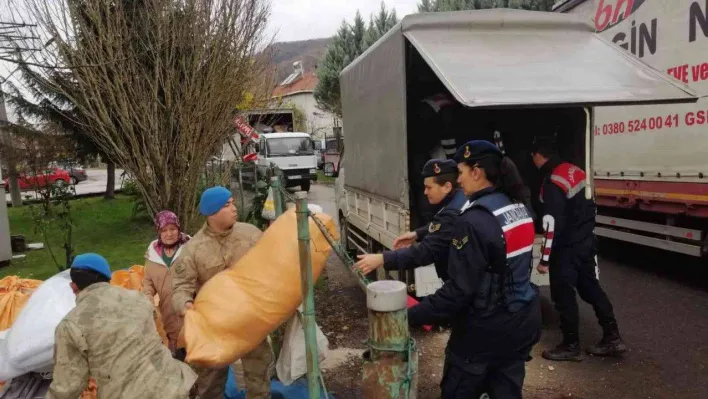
(155, 82)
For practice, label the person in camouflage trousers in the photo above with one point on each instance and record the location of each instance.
(218, 245)
(110, 336)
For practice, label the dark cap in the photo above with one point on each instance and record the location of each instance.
(544, 144)
(437, 167)
(475, 150)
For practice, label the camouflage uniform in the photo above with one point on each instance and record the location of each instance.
(110, 335)
(205, 255)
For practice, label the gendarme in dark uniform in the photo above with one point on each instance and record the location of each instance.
(488, 298)
(433, 244)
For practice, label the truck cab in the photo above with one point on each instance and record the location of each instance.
(293, 153)
(510, 76)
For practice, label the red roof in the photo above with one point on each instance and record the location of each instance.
(305, 83)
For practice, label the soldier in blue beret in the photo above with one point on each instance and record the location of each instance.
(433, 239)
(488, 298)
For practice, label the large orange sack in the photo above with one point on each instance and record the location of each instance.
(237, 309)
(131, 279)
(14, 293)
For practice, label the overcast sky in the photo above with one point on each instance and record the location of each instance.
(309, 19)
(293, 19)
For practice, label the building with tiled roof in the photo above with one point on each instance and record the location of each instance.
(298, 89)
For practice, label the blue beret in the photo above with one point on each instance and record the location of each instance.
(213, 199)
(477, 149)
(94, 262)
(437, 167)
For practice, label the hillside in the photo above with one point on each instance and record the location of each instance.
(307, 51)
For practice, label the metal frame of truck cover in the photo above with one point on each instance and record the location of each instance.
(496, 58)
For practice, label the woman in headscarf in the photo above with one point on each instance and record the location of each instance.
(160, 256)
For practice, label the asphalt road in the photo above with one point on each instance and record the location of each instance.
(661, 303)
(95, 184)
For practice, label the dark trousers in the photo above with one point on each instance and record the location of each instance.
(574, 269)
(502, 380)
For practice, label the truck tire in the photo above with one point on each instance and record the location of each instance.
(305, 186)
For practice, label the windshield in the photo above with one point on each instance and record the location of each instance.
(289, 146)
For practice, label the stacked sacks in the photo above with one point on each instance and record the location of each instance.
(29, 344)
(236, 309)
(14, 293)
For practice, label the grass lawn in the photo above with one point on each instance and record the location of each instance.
(104, 227)
(322, 179)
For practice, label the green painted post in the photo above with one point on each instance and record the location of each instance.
(391, 362)
(308, 296)
(277, 196)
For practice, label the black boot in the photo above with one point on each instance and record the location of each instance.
(564, 352)
(611, 343)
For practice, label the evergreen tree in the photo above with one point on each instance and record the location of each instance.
(380, 24)
(458, 5)
(350, 41)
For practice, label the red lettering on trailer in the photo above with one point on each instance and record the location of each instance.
(699, 72)
(609, 14)
(680, 72)
(696, 118)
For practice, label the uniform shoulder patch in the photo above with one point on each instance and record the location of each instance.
(433, 227)
(458, 244)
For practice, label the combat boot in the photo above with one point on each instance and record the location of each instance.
(611, 343)
(569, 352)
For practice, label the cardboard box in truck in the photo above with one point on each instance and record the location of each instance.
(520, 73)
(650, 164)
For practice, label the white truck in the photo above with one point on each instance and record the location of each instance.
(293, 153)
(520, 73)
(651, 163)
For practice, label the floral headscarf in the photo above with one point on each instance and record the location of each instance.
(163, 219)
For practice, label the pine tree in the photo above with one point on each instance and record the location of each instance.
(458, 5)
(350, 41)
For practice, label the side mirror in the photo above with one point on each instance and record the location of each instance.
(258, 148)
(329, 170)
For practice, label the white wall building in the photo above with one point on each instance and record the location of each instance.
(298, 89)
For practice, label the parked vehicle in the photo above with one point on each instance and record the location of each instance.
(293, 153)
(510, 72)
(31, 181)
(75, 169)
(651, 168)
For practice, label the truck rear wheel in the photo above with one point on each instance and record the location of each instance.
(305, 186)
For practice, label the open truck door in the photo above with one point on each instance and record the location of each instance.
(522, 73)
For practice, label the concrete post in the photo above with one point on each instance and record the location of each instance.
(391, 363)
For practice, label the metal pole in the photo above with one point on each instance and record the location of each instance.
(391, 362)
(277, 196)
(308, 296)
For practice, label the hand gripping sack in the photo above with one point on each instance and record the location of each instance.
(30, 342)
(235, 310)
(292, 362)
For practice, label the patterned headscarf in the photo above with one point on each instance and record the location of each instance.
(163, 219)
